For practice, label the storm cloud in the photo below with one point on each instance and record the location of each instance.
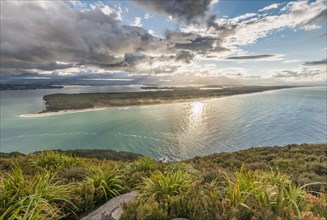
(184, 56)
(52, 36)
(314, 63)
(183, 10)
(254, 57)
(40, 35)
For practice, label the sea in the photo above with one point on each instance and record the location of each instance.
(174, 131)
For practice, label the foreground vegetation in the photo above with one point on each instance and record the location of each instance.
(58, 102)
(259, 183)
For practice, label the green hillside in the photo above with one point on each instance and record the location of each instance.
(259, 183)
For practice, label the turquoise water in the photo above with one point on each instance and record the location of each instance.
(176, 131)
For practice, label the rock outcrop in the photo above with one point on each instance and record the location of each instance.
(112, 209)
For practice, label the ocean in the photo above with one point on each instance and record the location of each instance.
(175, 131)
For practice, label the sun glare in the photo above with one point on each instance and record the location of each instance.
(197, 108)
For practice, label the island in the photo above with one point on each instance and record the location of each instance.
(29, 86)
(65, 102)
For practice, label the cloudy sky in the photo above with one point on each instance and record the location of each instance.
(203, 41)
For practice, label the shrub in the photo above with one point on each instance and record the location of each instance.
(144, 209)
(317, 204)
(137, 170)
(52, 160)
(282, 164)
(74, 173)
(83, 196)
(201, 202)
(319, 168)
(185, 168)
(169, 190)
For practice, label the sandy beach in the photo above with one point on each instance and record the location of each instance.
(63, 112)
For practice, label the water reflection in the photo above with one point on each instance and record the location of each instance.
(197, 109)
(176, 131)
(194, 126)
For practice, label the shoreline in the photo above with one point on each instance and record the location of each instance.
(62, 112)
(71, 111)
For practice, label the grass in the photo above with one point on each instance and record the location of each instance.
(165, 185)
(244, 194)
(145, 164)
(103, 154)
(107, 182)
(52, 160)
(303, 164)
(52, 185)
(41, 196)
(137, 170)
(259, 183)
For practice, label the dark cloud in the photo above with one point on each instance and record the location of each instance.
(30, 65)
(37, 35)
(183, 10)
(134, 58)
(179, 37)
(254, 57)
(227, 27)
(52, 36)
(184, 56)
(196, 43)
(56, 37)
(315, 63)
(208, 45)
(199, 44)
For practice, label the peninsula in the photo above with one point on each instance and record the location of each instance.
(29, 86)
(64, 102)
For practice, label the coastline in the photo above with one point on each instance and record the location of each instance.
(62, 112)
(162, 102)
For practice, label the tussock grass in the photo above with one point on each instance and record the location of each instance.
(107, 182)
(55, 161)
(54, 185)
(168, 184)
(41, 196)
(145, 164)
(137, 170)
(242, 194)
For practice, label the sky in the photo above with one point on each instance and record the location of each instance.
(177, 41)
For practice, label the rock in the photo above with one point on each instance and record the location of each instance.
(179, 219)
(112, 209)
